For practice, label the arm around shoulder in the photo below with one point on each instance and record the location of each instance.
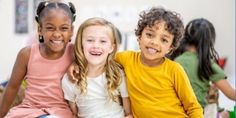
(127, 108)
(72, 69)
(74, 109)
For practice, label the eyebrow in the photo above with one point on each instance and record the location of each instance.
(149, 29)
(166, 36)
(60, 25)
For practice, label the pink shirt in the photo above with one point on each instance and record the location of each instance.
(43, 94)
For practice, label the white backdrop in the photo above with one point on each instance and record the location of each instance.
(124, 14)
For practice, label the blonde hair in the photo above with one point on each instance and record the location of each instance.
(112, 68)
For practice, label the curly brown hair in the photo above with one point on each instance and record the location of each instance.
(173, 22)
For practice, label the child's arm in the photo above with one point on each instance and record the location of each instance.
(226, 88)
(219, 79)
(74, 109)
(125, 97)
(18, 74)
(73, 69)
(127, 108)
(186, 94)
(70, 93)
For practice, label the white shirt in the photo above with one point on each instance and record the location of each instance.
(96, 103)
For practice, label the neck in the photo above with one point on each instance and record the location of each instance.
(49, 54)
(191, 49)
(94, 71)
(152, 63)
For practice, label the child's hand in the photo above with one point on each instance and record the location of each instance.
(72, 70)
(213, 95)
(129, 116)
(75, 116)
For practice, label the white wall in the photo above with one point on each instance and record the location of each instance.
(220, 13)
(11, 42)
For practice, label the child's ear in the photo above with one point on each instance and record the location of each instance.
(39, 30)
(139, 38)
(112, 48)
(170, 49)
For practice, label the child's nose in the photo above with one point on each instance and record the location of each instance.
(57, 34)
(96, 44)
(155, 42)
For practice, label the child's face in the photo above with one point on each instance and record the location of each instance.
(56, 29)
(97, 44)
(155, 42)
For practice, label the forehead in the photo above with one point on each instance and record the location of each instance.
(160, 27)
(97, 30)
(56, 14)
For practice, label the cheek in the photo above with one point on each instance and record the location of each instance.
(85, 47)
(168, 49)
(85, 44)
(142, 43)
(108, 48)
(86, 52)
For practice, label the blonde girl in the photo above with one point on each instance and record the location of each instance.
(100, 79)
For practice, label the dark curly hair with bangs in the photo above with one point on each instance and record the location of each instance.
(173, 22)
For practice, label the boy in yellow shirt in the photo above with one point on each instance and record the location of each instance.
(157, 86)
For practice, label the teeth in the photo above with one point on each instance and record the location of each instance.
(57, 42)
(95, 53)
(152, 50)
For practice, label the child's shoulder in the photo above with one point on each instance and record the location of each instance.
(173, 67)
(127, 55)
(25, 51)
(172, 63)
(23, 55)
(71, 47)
(128, 52)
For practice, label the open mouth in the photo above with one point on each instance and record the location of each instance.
(95, 53)
(152, 50)
(56, 41)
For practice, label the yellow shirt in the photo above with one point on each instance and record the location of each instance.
(158, 92)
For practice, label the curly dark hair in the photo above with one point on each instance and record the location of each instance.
(173, 21)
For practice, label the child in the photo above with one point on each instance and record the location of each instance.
(42, 66)
(157, 86)
(198, 57)
(100, 81)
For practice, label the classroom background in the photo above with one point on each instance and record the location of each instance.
(18, 26)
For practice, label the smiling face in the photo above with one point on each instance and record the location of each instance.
(155, 42)
(56, 29)
(97, 44)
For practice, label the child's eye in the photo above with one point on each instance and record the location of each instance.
(103, 41)
(65, 28)
(164, 40)
(89, 40)
(50, 28)
(149, 35)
